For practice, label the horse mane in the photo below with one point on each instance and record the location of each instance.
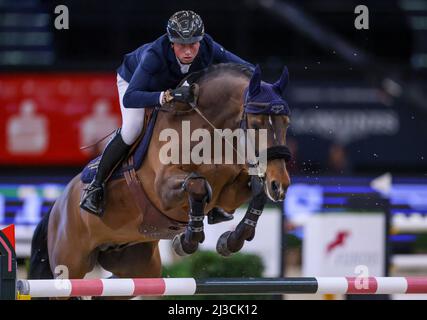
(215, 70)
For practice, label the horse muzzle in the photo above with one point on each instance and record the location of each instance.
(277, 179)
(275, 190)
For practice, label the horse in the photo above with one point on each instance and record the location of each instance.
(68, 241)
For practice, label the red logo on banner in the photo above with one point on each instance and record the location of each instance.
(339, 241)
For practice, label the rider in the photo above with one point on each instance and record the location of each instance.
(144, 80)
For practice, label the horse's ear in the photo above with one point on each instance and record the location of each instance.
(280, 85)
(255, 83)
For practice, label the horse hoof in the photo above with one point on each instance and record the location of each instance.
(221, 245)
(177, 245)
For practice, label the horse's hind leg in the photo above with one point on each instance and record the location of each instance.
(39, 262)
(199, 193)
(68, 258)
(69, 262)
(70, 254)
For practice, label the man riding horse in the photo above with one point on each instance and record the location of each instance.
(143, 81)
(155, 200)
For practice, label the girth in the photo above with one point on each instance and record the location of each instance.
(155, 224)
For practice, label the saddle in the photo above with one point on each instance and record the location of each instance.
(137, 152)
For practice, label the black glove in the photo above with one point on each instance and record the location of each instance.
(182, 94)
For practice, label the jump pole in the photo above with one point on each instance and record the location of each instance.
(224, 286)
(10, 288)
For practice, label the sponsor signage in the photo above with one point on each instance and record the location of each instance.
(344, 245)
(46, 118)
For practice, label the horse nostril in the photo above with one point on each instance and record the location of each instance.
(274, 186)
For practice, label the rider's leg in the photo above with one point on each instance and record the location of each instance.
(94, 198)
(132, 119)
(132, 124)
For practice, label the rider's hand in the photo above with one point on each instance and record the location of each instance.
(182, 94)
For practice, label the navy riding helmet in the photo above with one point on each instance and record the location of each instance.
(185, 27)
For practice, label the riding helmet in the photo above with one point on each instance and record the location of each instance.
(185, 27)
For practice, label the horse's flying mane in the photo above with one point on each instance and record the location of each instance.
(218, 69)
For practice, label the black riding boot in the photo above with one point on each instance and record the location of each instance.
(94, 198)
(217, 215)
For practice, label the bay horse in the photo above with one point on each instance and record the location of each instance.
(175, 197)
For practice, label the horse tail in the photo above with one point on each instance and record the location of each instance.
(39, 261)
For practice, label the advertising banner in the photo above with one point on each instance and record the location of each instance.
(46, 118)
(344, 245)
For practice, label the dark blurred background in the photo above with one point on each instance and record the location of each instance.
(358, 97)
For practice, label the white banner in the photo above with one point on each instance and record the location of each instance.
(344, 245)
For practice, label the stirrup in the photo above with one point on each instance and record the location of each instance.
(90, 201)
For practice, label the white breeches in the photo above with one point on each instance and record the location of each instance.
(132, 119)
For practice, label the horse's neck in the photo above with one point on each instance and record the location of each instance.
(223, 116)
(222, 104)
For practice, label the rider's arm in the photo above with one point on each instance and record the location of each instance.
(136, 95)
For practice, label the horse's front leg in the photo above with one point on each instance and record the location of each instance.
(199, 193)
(232, 241)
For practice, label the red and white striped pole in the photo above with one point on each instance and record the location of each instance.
(226, 286)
